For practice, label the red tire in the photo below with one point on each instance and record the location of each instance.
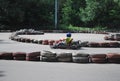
(98, 56)
(111, 38)
(114, 60)
(104, 44)
(51, 42)
(0, 56)
(98, 60)
(118, 39)
(113, 55)
(34, 56)
(28, 40)
(114, 44)
(106, 38)
(19, 56)
(45, 42)
(6, 56)
(93, 44)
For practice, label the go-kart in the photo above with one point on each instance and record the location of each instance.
(63, 45)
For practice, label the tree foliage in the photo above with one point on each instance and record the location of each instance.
(39, 14)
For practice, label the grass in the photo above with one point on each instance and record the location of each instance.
(74, 28)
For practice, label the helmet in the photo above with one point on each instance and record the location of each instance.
(68, 34)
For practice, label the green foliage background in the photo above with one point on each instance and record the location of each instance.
(73, 14)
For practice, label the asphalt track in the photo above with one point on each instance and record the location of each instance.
(55, 71)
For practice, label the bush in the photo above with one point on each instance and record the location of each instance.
(86, 29)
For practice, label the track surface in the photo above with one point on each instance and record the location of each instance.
(47, 71)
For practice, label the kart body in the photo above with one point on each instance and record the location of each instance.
(64, 45)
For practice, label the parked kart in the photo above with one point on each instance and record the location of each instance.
(113, 36)
(63, 45)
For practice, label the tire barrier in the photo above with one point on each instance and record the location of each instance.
(15, 37)
(108, 38)
(113, 36)
(22, 39)
(64, 57)
(83, 44)
(36, 41)
(51, 42)
(93, 44)
(104, 44)
(114, 44)
(117, 39)
(27, 40)
(33, 56)
(113, 58)
(40, 41)
(98, 58)
(48, 56)
(6, 56)
(112, 39)
(19, 56)
(0, 56)
(45, 42)
(81, 58)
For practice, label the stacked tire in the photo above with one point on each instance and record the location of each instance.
(117, 39)
(106, 38)
(104, 44)
(51, 42)
(114, 44)
(35, 41)
(33, 56)
(6, 56)
(23, 40)
(16, 38)
(98, 58)
(113, 58)
(81, 58)
(45, 42)
(40, 41)
(19, 56)
(64, 57)
(48, 56)
(93, 44)
(0, 56)
(27, 40)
